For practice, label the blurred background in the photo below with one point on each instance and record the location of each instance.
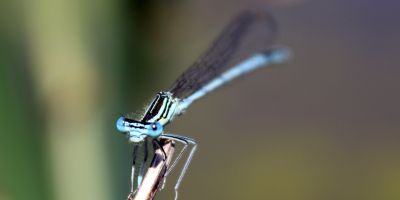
(323, 126)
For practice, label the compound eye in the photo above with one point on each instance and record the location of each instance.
(154, 127)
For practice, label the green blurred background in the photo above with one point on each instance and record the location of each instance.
(324, 126)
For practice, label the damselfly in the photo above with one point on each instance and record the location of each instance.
(245, 44)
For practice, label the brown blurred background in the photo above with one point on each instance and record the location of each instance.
(323, 126)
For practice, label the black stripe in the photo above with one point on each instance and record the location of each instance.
(169, 108)
(165, 108)
(134, 123)
(151, 107)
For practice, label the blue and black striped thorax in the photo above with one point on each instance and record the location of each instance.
(162, 109)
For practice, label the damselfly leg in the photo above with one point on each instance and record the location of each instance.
(134, 155)
(185, 141)
(143, 164)
(157, 145)
(141, 169)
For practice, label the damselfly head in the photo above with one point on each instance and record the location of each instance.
(137, 131)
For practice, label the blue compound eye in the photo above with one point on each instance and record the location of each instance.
(155, 129)
(122, 125)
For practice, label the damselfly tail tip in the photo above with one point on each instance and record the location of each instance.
(279, 54)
